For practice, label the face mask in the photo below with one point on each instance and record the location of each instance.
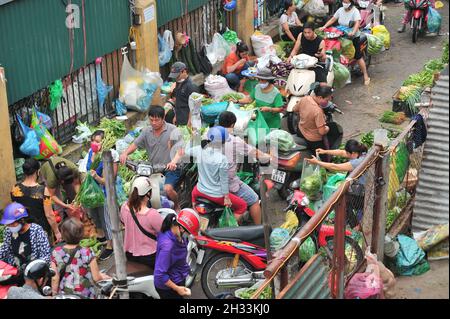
(16, 229)
(264, 85)
(95, 147)
(346, 5)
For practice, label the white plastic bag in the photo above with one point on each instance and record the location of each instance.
(195, 104)
(84, 133)
(218, 50)
(243, 118)
(263, 45)
(316, 8)
(264, 61)
(217, 86)
(304, 61)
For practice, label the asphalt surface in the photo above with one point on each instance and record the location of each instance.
(363, 105)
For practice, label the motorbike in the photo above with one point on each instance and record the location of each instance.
(9, 276)
(372, 12)
(419, 17)
(290, 163)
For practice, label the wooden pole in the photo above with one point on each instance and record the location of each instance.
(147, 36)
(111, 197)
(339, 249)
(245, 20)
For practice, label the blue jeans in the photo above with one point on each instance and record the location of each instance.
(234, 79)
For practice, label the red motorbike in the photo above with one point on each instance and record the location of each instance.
(9, 276)
(419, 17)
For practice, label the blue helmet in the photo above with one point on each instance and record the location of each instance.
(218, 135)
(13, 212)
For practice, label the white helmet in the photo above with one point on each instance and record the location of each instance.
(143, 185)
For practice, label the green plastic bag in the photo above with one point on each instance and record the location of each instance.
(402, 162)
(227, 219)
(375, 44)
(348, 49)
(258, 129)
(332, 185)
(91, 195)
(341, 75)
(283, 139)
(307, 250)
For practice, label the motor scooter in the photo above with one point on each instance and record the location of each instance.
(419, 17)
(372, 12)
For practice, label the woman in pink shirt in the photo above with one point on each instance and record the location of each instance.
(139, 244)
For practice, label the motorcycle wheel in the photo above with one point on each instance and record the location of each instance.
(415, 34)
(192, 262)
(354, 256)
(292, 122)
(212, 267)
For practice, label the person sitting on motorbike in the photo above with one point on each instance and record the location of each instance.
(37, 274)
(159, 140)
(234, 64)
(308, 42)
(312, 120)
(138, 246)
(268, 99)
(356, 153)
(235, 151)
(76, 268)
(290, 24)
(347, 15)
(23, 242)
(36, 198)
(172, 269)
(407, 16)
(213, 166)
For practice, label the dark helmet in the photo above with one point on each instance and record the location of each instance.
(38, 269)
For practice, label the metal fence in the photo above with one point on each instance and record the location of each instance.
(265, 10)
(350, 220)
(79, 101)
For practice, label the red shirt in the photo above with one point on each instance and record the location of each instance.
(231, 60)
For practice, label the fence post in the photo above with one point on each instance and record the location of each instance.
(339, 249)
(382, 172)
(147, 55)
(7, 173)
(111, 197)
(245, 20)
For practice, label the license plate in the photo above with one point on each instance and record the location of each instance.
(204, 222)
(278, 176)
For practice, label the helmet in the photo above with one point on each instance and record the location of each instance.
(230, 5)
(38, 269)
(143, 185)
(218, 135)
(190, 220)
(13, 212)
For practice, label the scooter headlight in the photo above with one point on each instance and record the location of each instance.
(305, 201)
(295, 185)
(144, 170)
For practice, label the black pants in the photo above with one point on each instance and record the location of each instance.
(169, 293)
(148, 260)
(295, 32)
(313, 146)
(321, 74)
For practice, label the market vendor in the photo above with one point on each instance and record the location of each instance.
(268, 99)
(251, 80)
(160, 141)
(61, 176)
(290, 24)
(356, 153)
(183, 89)
(234, 64)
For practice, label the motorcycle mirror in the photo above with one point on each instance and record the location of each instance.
(47, 291)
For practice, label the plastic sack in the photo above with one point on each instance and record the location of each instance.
(433, 237)
(257, 130)
(83, 133)
(217, 86)
(410, 260)
(121, 109)
(56, 94)
(304, 61)
(375, 44)
(311, 181)
(279, 238)
(341, 75)
(243, 118)
(30, 145)
(195, 104)
(91, 195)
(211, 112)
(335, 46)
(47, 143)
(218, 50)
(165, 53)
(348, 49)
(102, 89)
(263, 65)
(282, 139)
(364, 286)
(382, 32)
(307, 250)
(315, 8)
(332, 185)
(44, 119)
(231, 37)
(120, 192)
(263, 45)
(434, 20)
(227, 219)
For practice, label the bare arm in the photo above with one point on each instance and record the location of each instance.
(56, 200)
(341, 153)
(49, 215)
(238, 64)
(296, 48)
(345, 167)
(245, 100)
(130, 150)
(288, 31)
(96, 274)
(356, 27)
(55, 280)
(330, 22)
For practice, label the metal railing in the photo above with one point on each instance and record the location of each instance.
(79, 101)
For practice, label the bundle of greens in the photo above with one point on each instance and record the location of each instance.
(249, 292)
(435, 65)
(422, 79)
(232, 97)
(90, 194)
(248, 107)
(412, 95)
(445, 53)
(93, 244)
(207, 101)
(391, 216)
(393, 117)
(368, 139)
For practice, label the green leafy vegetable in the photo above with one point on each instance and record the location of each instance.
(312, 185)
(393, 117)
(232, 97)
(248, 293)
(248, 107)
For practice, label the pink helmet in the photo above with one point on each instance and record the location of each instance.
(190, 220)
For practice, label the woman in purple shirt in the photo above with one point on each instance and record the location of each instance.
(171, 269)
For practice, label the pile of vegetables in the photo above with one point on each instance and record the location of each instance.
(393, 117)
(248, 107)
(249, 292)
(412, 95)
(422, 79)
(391, 216)
(92, 243)
(284, 49)
(207, 101)
(2, 233)
(232, 97)
(445, 53)
(312, 185)
(435, 65)
(368, 139)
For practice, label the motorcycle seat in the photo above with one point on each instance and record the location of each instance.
(134, 270)
(292, 152)
(249, 234)
(201, 200)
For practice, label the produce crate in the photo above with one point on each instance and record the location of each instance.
(399, 105)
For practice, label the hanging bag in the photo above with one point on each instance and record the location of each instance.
(258, 129)
(30, 145)
(227, 219)
(91, 195)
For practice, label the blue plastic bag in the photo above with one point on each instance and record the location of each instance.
(120, 108)
(165, 54)
(144, 102)
(31, 144)
(102, 89)
(434, 20)
(211, 112)
(44, 119)
(120, 192)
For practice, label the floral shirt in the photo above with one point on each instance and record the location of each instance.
(78, 277)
